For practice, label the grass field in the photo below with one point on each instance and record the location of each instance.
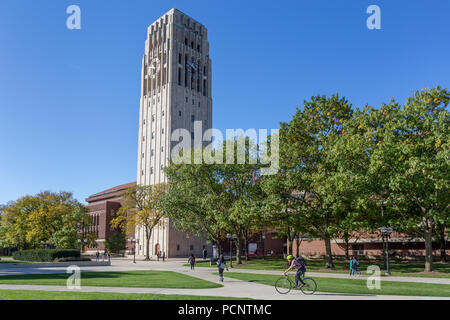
(57, 295)
(355, 286)
(132, 279)
(411, 269)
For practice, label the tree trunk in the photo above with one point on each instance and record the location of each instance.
(290, 246)
(346, 240)
(148, 234)
(329, 257)
(297, 243)
(246, 244)
(443, 245)
(238, 250)
(443, 250)
(219, 249)
(428, 236)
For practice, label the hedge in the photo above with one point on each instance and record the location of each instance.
(45, 255)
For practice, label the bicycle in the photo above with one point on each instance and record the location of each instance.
(285, 284)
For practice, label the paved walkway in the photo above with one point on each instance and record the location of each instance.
(231, 288)
(346, 276)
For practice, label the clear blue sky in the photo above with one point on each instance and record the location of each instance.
(69, 100)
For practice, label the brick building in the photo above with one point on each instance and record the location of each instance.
(369, 245)
(263, 243)
(102, 207)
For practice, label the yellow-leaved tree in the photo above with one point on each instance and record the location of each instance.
(140, 209)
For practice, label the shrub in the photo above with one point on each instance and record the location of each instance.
(115, 243)
(42, 255)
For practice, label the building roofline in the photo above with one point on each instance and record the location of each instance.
(112, 190)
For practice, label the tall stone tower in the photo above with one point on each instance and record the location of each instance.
(175, 93)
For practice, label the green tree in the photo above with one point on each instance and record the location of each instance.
(413, 159)
(216, 199)
(116, 242)
(309, 174)
(193, 201)
(47, 217)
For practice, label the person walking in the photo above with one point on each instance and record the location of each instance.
(164, 255)
(355, 266)
(205, 254)
(97, 256)
(191, 261)
(351, 265)
(221, 264)
(104, 255)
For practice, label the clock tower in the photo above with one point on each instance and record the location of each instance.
(175, 94)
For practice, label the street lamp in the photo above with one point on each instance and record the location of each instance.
(263, 238)
(134, 241)
(386, 233)
(231, 238)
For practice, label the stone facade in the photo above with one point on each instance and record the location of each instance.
(175, 94)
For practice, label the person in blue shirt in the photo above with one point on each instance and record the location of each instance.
(354, 266)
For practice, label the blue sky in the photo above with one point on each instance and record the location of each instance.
(69, 99)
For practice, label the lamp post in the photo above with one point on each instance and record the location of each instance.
(134, 241)
(231, 261)
(263, 238)
(231, 237)
(386, 233)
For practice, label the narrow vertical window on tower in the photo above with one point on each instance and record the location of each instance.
(204, 87)
(185, 71)
(179, 76)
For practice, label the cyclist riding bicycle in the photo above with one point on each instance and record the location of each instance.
(300, 267)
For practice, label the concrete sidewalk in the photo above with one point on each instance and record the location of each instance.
(346, 276)
(232, 287)
(177, 265)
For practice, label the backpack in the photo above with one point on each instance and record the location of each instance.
(302, 261)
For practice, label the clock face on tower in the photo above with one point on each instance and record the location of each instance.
(154, 68)
(194, 69)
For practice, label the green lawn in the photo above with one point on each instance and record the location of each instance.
(409, 269)
(356, 286)
(57, 295)
(135, 279)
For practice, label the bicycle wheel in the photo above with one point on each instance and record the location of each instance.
(283, 285)
(310, 286)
